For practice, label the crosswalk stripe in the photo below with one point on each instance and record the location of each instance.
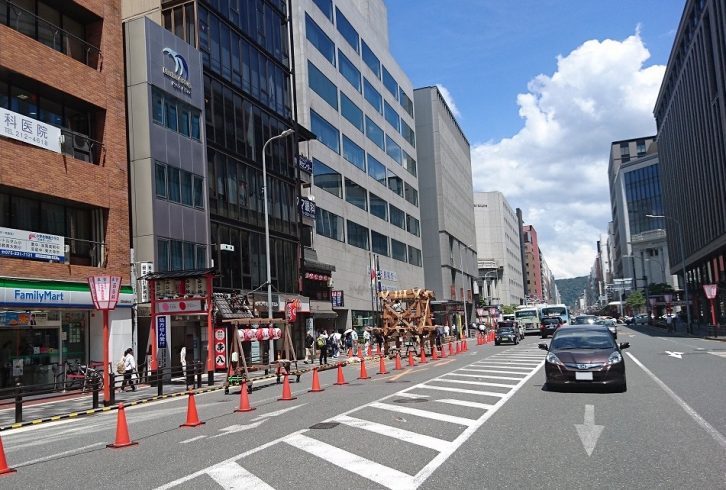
(423, 413)
(464, 403)
(462, 390)
(477, 383)
(232, 476)
(511, 378)
(394, 432)
(500, 371)
(514, 359)
(525, 369)
(383, 475)
(406, 394)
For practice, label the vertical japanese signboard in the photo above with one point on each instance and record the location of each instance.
(220, 348)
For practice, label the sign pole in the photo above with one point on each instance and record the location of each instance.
(106, 378)
(210, 332)
(152, 334)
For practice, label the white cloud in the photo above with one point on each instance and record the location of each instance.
(449, 100)
(555, 166)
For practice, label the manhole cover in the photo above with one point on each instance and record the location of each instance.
(325, 425)
(410, 400)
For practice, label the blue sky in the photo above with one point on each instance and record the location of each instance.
(541, 89)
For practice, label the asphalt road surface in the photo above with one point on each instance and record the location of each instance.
(481, 419)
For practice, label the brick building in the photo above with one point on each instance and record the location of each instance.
(64, 211)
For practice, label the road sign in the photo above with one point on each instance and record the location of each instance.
(710, 290)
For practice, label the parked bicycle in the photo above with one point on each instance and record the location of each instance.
(77, 376)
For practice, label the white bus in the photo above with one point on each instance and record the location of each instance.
(560, 310)
(529, 317)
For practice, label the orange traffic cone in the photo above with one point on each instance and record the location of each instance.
(434, 356)
(397, 366)
(463, 345)
(316, 382)
(360, 352)
(244, 399)
(443, 351)
(382, 368)
(192, 417)
(363, 372)
(286, 393)
(423, 355)
(370, 350)
(122, 430)
(458, 348)
(341, 379)
(4, 470)
(451, 349)
(410, 359)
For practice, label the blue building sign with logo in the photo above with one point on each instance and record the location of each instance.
(161, 331)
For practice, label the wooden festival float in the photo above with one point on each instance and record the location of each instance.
(406, 315)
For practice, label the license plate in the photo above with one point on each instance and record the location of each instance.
(583, 376)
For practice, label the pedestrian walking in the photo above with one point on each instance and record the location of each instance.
(366, 339)
(129, 368)
(309, 341)
(447, 330)
(322, 345)
(183, 361)
(337, 345)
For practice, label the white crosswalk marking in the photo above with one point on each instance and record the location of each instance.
(395, 432)
(383, 475)
(464, 403)
(499, 371)
(510, 378)
(423, 413)
(232, 476)
(718, 353)
(478, 383)
(525, 370)
(462, 390)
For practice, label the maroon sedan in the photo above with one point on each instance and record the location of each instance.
(584, 356)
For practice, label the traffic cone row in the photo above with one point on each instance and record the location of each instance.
(286, 393)
(192, 417)
(397, 366)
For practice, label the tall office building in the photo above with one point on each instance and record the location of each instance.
(447, 214)
(498, 250)
(692, 151)
(64, 212)
(356, 99)
(532, 264)
(640, 251)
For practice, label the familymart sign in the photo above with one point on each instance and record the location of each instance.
(53, 295)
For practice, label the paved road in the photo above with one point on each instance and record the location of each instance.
(477, 420)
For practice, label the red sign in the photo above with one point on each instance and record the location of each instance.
(220, 348)
(180, 306)
(291, 310)
(104, 291)
(710, 290)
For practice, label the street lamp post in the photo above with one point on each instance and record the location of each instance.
(287, 132)
(683, 263)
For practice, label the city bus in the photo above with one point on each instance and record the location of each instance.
(560, 310)
(529, 317)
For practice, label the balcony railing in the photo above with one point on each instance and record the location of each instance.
(51, 35)
(81, 147)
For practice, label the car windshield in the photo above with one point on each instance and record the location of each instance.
(565, 340)
(506, 330)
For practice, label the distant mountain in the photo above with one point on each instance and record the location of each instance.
(571, 289)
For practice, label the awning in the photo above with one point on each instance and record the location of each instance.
(322, 309)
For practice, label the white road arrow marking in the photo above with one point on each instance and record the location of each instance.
(677, 355)
(589, 432)
(276, 413)
(238, 428)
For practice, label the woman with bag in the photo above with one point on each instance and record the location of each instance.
(129, 368)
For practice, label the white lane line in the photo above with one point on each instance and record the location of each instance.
(453, 419)
(464, 403)
(233, 477)
(515, 360)
(276, 412)
(441, 458)
(461, 390)
(394, 432)
(476, 383)
(411, 395)
(57, 455)
(509, 378)
(525, 369)
(187, 441)
(717, 436)
(383, 475)
(497, 371)
(507, 356)
(507, 361)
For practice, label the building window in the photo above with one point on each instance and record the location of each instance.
(376, 170)
(393, 150)
(157, 107)
(327, 179)
(391, 116)
(160, 180)
(406, 102)
(174, 114)
(409, 163)
(410, 193)
(373, 96)
(398, 250)
(329, 224)
(390, 83)
(177, 255)
(408, 133)
(319, 39)
(414, 256)
(357, 235)
(398, 217)
(346, 29)
(348, 70)
(351, 112)
(326, 132)
(374, 133)
(379, 207)
(379, 243)
(322, 86)
(178, 185)
(640, 147)
(412, 225)
(198, 192)
(371, 60)
(173, 183)
(354, 153)
(356, 195)
(326, 7)
(395, 183)
(186, 188)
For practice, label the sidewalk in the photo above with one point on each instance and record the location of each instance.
(699, 331)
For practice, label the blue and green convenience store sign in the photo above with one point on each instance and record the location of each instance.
(19, 293)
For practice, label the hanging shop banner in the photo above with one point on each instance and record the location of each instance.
(162, 327)
(29, 130)
(220, 348)
(710, 290)
(304, 163)
(336, 299)
(30, 245)
(291, 308)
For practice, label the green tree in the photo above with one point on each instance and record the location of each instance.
(635, 300)
(508, 309)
